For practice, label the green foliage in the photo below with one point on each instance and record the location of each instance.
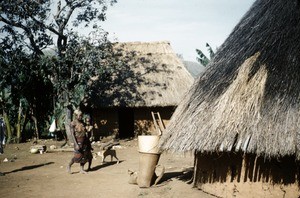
(203, 59)
(28, 30)
(22, 82)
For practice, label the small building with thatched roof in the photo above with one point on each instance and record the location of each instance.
(242, 115)
(146, 77)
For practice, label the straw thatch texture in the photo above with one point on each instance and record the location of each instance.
(147, 74)
(249, 97)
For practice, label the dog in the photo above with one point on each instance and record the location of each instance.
(107, 152)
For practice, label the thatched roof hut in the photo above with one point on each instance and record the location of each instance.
(150, 75)
(248, 100)
(146, 75)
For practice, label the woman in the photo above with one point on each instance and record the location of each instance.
(82, 145)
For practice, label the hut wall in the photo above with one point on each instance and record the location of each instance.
(108, 123)
(238, 175)
(144, 121)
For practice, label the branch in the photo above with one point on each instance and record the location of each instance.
(68, 2)
(59, 11)
(63, 25)
(12, 23)
(27, 30)
(72, 8)
(51, 29)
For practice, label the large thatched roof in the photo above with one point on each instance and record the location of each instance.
(249, 97)
(145, 74)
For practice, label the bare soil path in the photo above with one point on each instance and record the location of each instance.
(44, 175)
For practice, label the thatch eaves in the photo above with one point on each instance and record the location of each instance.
(249, 97)
(146, 74)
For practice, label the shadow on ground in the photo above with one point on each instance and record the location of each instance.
(105, 164)
(29, 167)
(185, 176)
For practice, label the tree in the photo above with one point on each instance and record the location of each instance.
(30, 27)
(21, 87)
(203, 59)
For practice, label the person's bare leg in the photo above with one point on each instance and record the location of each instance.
(89, 165)
(69, 166)
(82, 168)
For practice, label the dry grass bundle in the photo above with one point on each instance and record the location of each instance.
(248, 98)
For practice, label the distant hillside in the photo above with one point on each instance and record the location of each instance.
(193, 67)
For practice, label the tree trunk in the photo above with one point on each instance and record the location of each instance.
(24, 126)
(8, 127)
(68, 119)
(19, 123)
(35, 127)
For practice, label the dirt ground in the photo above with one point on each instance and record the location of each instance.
(45, 175)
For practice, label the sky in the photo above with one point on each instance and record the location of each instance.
(187, 25)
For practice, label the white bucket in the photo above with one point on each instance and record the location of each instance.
(148, 143)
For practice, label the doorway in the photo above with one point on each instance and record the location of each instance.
(126, 123)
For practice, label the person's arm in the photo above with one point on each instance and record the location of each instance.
(76, 146)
